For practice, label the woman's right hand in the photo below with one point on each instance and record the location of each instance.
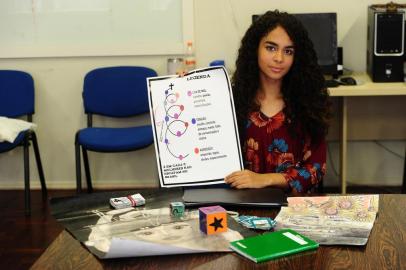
(247, 179)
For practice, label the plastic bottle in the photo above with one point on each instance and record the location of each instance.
(190, 60)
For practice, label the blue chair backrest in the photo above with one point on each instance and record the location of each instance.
(117, 91)
(16, 93)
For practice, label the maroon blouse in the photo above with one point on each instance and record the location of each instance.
(269, 148)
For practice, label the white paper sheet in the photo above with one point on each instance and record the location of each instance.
(150, 232)
(120, 248)
(195, 130)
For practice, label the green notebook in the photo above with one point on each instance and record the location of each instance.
(273, 245)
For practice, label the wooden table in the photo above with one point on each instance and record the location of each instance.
(367, 88)
(386, 249)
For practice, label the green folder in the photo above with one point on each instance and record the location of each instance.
(273, 245)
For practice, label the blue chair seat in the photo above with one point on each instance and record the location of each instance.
(6, 146)
(17, 96)
(102, 139)
(117, 92)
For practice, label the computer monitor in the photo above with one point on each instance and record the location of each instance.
(322, 30)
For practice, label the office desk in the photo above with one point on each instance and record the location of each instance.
(367, 88)
(386, 249)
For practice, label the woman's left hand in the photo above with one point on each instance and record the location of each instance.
(247, 179)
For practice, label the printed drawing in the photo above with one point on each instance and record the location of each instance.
(194, 127)
(358, 207)
(331, 220)
(154, 226)
(172, 125)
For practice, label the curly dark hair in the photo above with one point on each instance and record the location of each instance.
(307, 103)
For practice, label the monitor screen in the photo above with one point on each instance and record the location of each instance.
(322, 30)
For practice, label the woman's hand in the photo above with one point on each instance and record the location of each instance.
(181, 73)
(248, 179)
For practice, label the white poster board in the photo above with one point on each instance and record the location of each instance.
(195, 130)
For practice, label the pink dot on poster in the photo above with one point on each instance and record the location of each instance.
(189, 93)
(196, 150)
(176, 116)
(182, 107)
(178, 133)
(180, 157)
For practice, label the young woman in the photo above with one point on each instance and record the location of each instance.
(282, 107)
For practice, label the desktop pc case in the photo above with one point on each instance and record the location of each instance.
(385, 45)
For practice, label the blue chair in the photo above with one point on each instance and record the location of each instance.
(112, 92)
(16, 100)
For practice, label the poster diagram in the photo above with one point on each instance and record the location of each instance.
(195, 132)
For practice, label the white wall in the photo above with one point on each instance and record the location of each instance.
(219, 26)
(369, 163)
(59, 114)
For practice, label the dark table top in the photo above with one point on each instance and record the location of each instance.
(386, 249)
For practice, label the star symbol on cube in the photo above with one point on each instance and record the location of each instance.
(217, 223)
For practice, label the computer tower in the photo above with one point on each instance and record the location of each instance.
(385, 45)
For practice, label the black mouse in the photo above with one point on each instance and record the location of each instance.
(348, 81)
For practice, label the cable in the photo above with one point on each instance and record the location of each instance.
(389, 150)
(234, 19)
(331, 160)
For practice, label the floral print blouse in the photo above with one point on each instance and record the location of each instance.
(268, 148)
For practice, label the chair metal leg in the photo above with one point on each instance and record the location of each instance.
(87, 171)
(39, 166)
(78, 169)
(404, 175)
(27, 177)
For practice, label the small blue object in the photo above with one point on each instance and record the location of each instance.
(177, 209)
(254, 222)
(217, 63)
